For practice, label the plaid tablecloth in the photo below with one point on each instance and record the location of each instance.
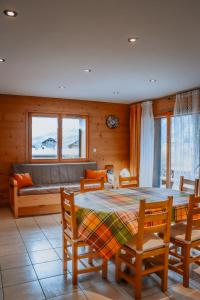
(108, 219)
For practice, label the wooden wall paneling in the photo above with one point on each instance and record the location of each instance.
(112, 144)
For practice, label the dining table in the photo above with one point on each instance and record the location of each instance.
(107, 219)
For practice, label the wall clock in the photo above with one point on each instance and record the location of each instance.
(112, 121)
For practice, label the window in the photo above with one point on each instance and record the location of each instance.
(176, 149)
(44, 137)
(163, 172)
(73, 138)
(57, 137)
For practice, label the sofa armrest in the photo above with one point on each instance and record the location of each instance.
(13, 182)
(84, 182)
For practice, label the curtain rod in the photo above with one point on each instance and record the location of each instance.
(168, 96)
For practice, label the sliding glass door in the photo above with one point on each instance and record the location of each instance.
(177, 148)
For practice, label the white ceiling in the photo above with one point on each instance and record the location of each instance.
(51, 42)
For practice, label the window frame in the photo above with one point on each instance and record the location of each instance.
(168, 116)
(59, 116)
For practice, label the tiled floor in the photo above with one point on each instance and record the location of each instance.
(31, 267)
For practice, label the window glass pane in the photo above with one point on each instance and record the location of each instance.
(73, 138)
(185, 157)
(44, 137)
(163, 163)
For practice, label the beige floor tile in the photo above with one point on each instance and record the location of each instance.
(195, 271)
(53, 233)
(6, 214)
(38, 245)
(29, 231)
(18, 275)
(1, 294)
(42, 256)
(25, 291)
(59, 251)
(104, 291)
(49, 269)
(89, 279)
(157, 296)
(7, 224)
(179, 292)
(58, 285)
(14, 261)
(31, 237)
(27, 221)
(11, 239)
(73, 296)
(12, 249)
(57, 218)
(56, 242)
(149, 287)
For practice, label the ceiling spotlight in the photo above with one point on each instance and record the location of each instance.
(132, 40)
(62, 87)
(152, 80)
(2, 60)
(87, 70)
(10, 13)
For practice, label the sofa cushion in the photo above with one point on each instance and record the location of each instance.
(55, 188)
(44, 174)
(96, 174)
(23, 180)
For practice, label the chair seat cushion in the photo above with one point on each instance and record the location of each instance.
(151, 241)
(55, 188)
(178, 232)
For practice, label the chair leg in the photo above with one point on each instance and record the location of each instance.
(138, 276)
(74, 264)
(186, 266)
(90, 260)
(165, 271)
(65, 256)
(104, 268)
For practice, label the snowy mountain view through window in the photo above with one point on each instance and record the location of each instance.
(45, 134)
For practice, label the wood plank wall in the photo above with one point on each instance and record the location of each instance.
(163, 105)
(112, 144)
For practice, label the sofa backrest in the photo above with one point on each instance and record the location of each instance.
(55, 172)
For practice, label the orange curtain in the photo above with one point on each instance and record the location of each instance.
(135, 131)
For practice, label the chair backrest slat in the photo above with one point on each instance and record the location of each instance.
(131, 181)
(193, 217)
(154, 217)
(68, 213)
(156, 228)
(189, 186)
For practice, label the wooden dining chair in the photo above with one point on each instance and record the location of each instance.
(89, 185)
(147, 246)
(186, 236)
(126, 182)
(72, 243)
(189, 186)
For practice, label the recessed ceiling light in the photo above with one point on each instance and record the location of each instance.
(132, 40)
(87, 70)
(152, 80)
(10, 13)
(2, 60)
(62, 87)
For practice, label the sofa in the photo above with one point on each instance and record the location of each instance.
(44, 196)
